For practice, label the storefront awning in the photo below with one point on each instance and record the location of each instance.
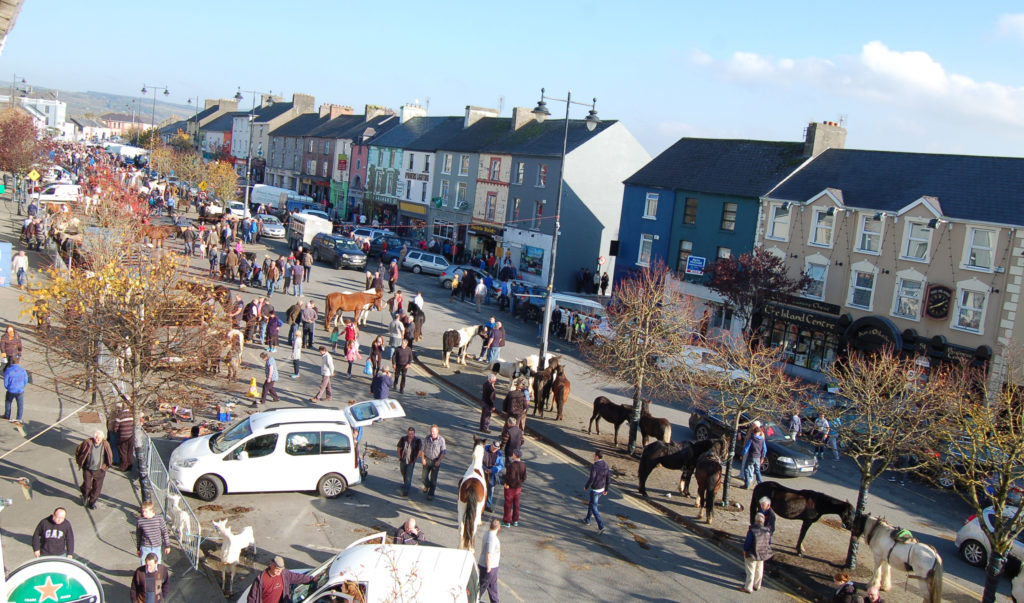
(486, 229)
(413, 208)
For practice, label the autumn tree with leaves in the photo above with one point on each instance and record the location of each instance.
(752, 281)
(222, 180)
(19, 142)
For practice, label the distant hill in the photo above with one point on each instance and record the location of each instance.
(97, 103)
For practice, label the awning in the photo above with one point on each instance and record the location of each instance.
(413, 208)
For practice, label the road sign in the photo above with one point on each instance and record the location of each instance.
(695, 265)
(33, 175)
(601, 261)
(203, 186)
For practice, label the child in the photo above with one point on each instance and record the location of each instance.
(352, 354)
(334, 339)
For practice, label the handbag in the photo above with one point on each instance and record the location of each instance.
(368, 367)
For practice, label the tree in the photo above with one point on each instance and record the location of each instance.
(182, 142)
(140, 137)
(648, 318)
(752, 281)
(220, 152)
(19, 143)
(980, 440)
(222, 181)
(885, 413)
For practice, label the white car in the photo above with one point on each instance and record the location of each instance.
(280, 450)
(317, 213)
(972, 543)
(696, 358)
(237, 208)
(272, 227)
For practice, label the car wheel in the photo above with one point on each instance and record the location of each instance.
(446, 284)
(208, 488)
(946, 480)
(974, 553)
(416, 269)
(703, 433)
(766, 466)
(332, 485)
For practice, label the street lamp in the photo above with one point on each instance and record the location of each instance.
(541, 113)
(248, 151)
(195, 139)
(131, 105)
(153, 124)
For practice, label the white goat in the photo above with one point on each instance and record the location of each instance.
(181, 521)
(231, 549)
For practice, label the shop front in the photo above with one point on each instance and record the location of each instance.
(412, 220)
(380, 208)
(807, 337)
(484, 239)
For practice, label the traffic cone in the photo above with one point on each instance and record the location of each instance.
(252, 389)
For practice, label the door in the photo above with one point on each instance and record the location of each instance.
(247, 468)
(372, 411)
(304, 463)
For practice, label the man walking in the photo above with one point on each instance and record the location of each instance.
(93, 456)
(494, 464)
(516, 404)
(490, 555)
(149, 583)
(308, 316)
(15, 380)
(596, 486)
(756, 549)
(392, 276)
(326, 373)
(487, 403)
(512, 437)
(515, 475)
(433, 452)
(479, 293)
(297, 274)
(307, 263)
(53, 536)
(409, 449)
(270, 378)
(401, 359)
(151, 535)
(380, 386)
(124, 424)
(396, 334)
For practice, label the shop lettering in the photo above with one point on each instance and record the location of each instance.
(804, 318)
(813, 304)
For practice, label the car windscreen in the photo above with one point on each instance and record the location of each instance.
(346, 245)
(223, 441)
(320, 575)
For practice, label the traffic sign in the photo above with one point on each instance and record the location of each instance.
(33, 175)
(203, 186)
(695, 265)
(601, 261)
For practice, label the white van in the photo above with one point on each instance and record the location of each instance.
(383, 572)
(280, 450)
(303, 227)
(60, 193)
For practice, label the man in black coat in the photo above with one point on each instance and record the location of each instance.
(487, 403)
(409, 448)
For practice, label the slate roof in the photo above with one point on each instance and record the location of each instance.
(223, 123)
(119, 117)
(88, 122)
(989, 189)
(545, 139)
(402, 135)
(336, 126)
(302, 125)
(265, 114)
(173, 127)
(740, 168)
(203, 114)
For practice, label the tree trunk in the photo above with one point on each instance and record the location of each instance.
(634, 417)
(141, 456)
(862, 503)
(727, 461)
(995, 567)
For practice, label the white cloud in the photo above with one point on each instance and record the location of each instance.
(1011, 25)
(911, 79)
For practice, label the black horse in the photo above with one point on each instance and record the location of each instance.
(805, 505)
(672, 455)
(418, 318)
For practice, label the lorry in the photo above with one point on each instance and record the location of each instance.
(275, 196)
(303, 227)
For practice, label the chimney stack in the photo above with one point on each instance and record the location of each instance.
(521, 116)
(303, 103)
(372, 111)
(331, 111)
(409, 111)
(822, 136)
(475, 114)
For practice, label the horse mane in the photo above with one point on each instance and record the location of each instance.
(1012, 568)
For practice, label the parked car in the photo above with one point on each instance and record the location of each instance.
(237, 208)
(445, 278)
(272, 227)
(974, 546)
(394, 247)
(783, 456)
(338, 251)
(305, 448)
(364, 233)
(696, 358)
(424, 261)
(316, 212)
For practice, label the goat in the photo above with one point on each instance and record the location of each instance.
(231, 549)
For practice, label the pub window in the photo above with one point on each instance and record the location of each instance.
(778, 227)
(822, 227)
(722, 318)
(685, 249)
(729, 216)
(869, 239)
(980, 246)
(690, 213)
(908, 298)
(918, 238)
(970, 310)
(646, 248)
(816, 273)
(862, 288)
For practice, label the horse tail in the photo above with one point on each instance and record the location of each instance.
(935, 581)
(469, 522)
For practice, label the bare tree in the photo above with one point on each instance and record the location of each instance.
(648, 318)
(752, 280)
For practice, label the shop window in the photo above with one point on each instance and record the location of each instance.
(980, 247)
(690, 211)
(651, 206)
(729, 216)
(447, 165)
(821, 228)
(908, 298)
(722, 318)
(918, 237)
(646, 248)
(970, 310)
(778, 226)
(685, 249)
(862, 289)
(816, 273)
(869, 237)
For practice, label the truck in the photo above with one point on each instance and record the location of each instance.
(275, 196)
(303, 227)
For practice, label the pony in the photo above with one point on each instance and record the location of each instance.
(351, 302)
(560, 388)
(672, 455)
(1016, 578)
(708, 473)
(653, 427)
(157, 234)
(806, 505)
(920, 561)
(180, 520)
(616, 414)
(458, 340)
(418, 318)
(472, 495)
(550, 361)
(231, 549)
(542, 381)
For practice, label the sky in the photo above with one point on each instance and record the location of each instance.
(938, 77)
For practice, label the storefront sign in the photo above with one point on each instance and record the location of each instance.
(873, 334)
(417, 176)
(413, 208)
(438, 202)
(531, 260)
(486, 229)
(813, 304)
(53, 579)
(800, 317)
(695, 265)
(938, 301)
(342, 162)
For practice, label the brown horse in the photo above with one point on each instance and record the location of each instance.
(560, 388)
(157, 234)
(351, 302)
(708, 474)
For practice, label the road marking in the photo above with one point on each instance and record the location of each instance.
(509, 589)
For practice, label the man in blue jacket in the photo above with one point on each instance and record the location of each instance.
(597, 484)
(15, 379)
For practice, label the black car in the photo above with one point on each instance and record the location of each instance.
(783, 458)
(338, 251)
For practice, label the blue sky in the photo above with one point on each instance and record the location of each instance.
(910, 76)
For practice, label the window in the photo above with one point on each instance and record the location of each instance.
(380, 156)
(729, 216)
(408, 189)
(423, 193)
(685, 249)
(492, 204)
(335, 443)
(446, 167)
(651, 206)
(495, 170)
(646, 247)
(538, 214)
(359, 164)
(515, 211)
(311, 145)
(862, 288)
(311, 167)
(970, 310)
(821, 230)
(460, 193)
(391, 160)
(908, 298)
(980, 247)
(303, 443)
(723, 253)
(690, 212)
(869, 239)
(323, 168)
(444, 192)
(778, 223)
(542, 175)
(722, 318)
(327, 148)
(817, 273)
(412, 158)
(463, 165)
(919, 236)
(259, 446)
(426, 164)
(520, 172)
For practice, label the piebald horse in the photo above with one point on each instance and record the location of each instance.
(458, 340)
(920, 561)
(472, 494)
(357, 303)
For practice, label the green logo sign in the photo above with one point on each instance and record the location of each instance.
(53, 579)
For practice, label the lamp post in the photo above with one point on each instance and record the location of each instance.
(153, 122)
(24, 88)
(195, 139)
(131, 105)
(541, 113)
(248, 150)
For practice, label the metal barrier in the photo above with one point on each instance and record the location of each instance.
(181, 520)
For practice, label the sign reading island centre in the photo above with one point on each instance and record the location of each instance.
(695, 265)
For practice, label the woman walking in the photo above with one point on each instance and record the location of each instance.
(377, 354)
(352, 354)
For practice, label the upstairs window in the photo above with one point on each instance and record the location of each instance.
(447, 165)
(862, 289)
(690, 212)
(778, 223)
(651, 206)
(918, 239)
(970, 310)
(463, 165)
(816, 273)
(542, 175)
(646, 249)
(520, 172)
(869, 239)
(981, 245)
(908, 298)
(822, 227)
(494, 173)
(729, 216)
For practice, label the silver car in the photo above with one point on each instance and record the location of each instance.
(272, 227)
(424, 261)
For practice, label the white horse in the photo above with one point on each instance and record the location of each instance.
(920, 561)
(458, 340)
(231, 549)
(472, 494)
